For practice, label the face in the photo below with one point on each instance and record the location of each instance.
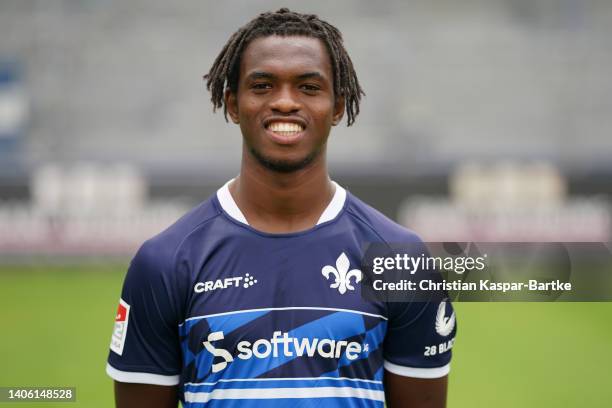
(285, 102)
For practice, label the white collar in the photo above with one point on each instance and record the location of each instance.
(231, 208)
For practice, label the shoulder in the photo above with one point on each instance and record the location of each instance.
(386, 229)
(158, 252)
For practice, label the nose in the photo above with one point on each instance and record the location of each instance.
(285, 101)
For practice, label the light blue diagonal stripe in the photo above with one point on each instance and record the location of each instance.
(373, 338)
(229, 323)
(225, 323)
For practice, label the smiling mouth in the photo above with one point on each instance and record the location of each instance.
(285, 129)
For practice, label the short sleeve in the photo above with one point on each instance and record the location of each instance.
(145, 344)
(419, 338)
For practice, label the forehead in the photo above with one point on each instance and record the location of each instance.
(286, 55)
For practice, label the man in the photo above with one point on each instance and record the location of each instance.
(252, 298)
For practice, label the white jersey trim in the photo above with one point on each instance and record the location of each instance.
(275, 393)
(231, 208)
(222, 380)
(404, 371)
(141, 378)
(335, 205)
(333, 309)
(229, 205)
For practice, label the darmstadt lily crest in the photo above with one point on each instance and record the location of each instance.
(342, 274)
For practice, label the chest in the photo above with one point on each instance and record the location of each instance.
(289, 307)
(278, 274)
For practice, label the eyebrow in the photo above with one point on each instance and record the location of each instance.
(261, 75)
(309, 75)
(268, 75)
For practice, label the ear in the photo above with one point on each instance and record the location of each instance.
(339, 105)
(231, 104)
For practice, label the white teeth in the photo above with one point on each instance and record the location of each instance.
(285, 127)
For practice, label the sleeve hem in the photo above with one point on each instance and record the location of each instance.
(434, 372)
(141, 378)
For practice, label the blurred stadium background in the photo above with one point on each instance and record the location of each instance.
(484, 120)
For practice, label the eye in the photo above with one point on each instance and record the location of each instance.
(311, 88)
(261, 86)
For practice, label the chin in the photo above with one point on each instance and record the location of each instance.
(282, 165)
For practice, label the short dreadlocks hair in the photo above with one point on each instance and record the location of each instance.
(225, 70)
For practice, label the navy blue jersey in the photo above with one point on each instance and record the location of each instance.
(238, 317)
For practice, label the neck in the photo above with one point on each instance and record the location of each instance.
(282, 202)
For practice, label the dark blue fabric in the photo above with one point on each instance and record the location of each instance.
(285, 292)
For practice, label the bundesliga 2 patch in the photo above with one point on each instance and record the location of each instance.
(121, 326)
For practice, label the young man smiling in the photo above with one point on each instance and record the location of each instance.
(252, 298)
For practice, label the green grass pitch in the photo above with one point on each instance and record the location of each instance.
(57, 321)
